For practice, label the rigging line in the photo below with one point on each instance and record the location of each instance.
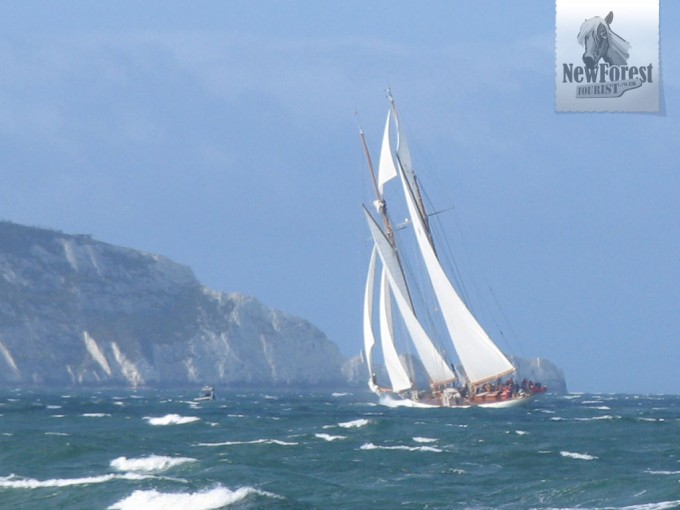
(516, 345)
(435, 213)
(482, 303)
(477, 305)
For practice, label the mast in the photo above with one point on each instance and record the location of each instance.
(387, 173)
(399, 378)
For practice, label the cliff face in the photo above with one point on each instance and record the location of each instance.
(78, 311)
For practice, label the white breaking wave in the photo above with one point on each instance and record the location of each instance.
(362, 422)
(15, 482)
(424, 440)
(371, 446)
(603, 417)
(150, 464)
(328, 437)
(171, 419)
(663, 505)
(256, 441)
(579, 456)
(218, 497)
(95, 415)
(594, 418)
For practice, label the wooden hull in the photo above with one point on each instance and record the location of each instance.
(492, 400)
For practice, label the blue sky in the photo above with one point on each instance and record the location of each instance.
(223, 136)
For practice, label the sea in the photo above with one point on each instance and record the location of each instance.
(152, 449)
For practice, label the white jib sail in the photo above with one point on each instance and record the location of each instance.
(399, 378)
(369, 337)
(480, 357)
(435, 365)
(386, 168)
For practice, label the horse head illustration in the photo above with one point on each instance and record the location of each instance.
(601, 43)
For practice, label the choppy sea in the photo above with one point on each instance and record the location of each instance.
(251, 450)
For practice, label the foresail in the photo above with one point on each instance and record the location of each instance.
(480, 357)
(369, 337)
(434, 363)
(399, 378)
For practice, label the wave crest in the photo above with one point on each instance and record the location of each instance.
(150, 464)
(203, 500)
(171, 419)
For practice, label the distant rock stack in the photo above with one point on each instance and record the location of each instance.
(75, 311)
(542, 371)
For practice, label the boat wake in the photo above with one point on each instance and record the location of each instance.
(389, 401)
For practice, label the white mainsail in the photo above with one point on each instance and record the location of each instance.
(480, 357)
(369, 337)
(434, 363)
(388, 254)
(399, 378)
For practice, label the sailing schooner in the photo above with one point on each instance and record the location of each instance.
(483, 364)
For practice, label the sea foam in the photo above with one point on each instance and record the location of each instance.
(362, 422)
(15, 482)
(372, 446)
(218, 497)
(579, 456)
(150, 464)
(171, 419)
(256, 441)
(328, 437)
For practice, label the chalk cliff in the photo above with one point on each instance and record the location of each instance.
(76, 311)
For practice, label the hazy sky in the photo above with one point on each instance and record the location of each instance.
(223, 135)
